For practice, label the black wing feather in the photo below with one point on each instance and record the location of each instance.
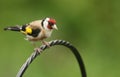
(35, 32)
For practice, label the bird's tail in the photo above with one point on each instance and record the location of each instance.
(13, 28)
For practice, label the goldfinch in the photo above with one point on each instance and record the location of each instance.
(36, 30)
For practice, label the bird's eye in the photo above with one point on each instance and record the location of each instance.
(51, 24)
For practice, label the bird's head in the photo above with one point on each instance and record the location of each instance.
(49, 24)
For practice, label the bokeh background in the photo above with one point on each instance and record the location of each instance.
(92, 26)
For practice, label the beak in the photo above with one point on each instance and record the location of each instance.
(54, 27)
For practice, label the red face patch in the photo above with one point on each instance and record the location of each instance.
(51, 22)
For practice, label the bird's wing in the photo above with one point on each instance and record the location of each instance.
(35, 32)
(36, 28)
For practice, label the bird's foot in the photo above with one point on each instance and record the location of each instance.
(46, 43)
(38, 50)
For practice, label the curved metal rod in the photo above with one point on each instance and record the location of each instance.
(52, 43)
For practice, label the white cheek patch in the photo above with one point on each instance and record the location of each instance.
(45, 24)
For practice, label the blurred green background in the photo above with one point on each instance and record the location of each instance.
(92, 26)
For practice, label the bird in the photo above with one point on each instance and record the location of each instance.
(37, 30)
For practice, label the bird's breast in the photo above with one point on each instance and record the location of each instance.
(48, 33)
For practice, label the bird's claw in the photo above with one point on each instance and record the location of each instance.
(46, 43)
(38, 50)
